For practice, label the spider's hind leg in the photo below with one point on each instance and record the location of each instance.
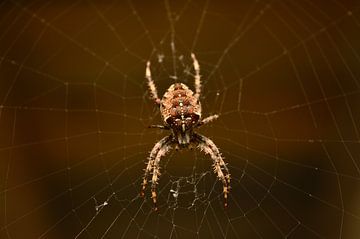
(197, 76)
(151, 84)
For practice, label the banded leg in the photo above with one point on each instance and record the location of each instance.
(151, 84)
(220, 169)
(156, 171)
(208, 119)
(156, 126)
(154, 152)
(197, 76)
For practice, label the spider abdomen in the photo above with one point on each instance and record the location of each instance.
(179, 107)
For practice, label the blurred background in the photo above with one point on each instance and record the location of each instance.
(74, 112)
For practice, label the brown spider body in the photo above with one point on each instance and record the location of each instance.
(181, 112)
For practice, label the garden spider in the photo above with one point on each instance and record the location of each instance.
(181, 112)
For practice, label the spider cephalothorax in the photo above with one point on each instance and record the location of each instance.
(181, 112)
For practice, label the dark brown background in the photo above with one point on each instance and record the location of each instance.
(283, 75)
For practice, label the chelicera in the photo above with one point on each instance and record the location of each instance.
(181, 113)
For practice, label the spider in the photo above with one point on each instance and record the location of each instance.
(181, 113)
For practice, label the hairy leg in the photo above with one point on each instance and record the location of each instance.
(156, 126)
(156, 171)
(154, 152)
(220, 169)
(197, 76)
(151, 84)
(208, 119)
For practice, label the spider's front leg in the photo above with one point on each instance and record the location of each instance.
(156, 171)
(150, 163)
(151, 84)
(220, 169)
(159, 150)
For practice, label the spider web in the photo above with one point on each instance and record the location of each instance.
(282, 75)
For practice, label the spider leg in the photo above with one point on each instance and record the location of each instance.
(159, 150)
(220, 169)
(159, 127)
(156, 170)
(208, 119)
(150, 163)
(151, 84)
(197, 76)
